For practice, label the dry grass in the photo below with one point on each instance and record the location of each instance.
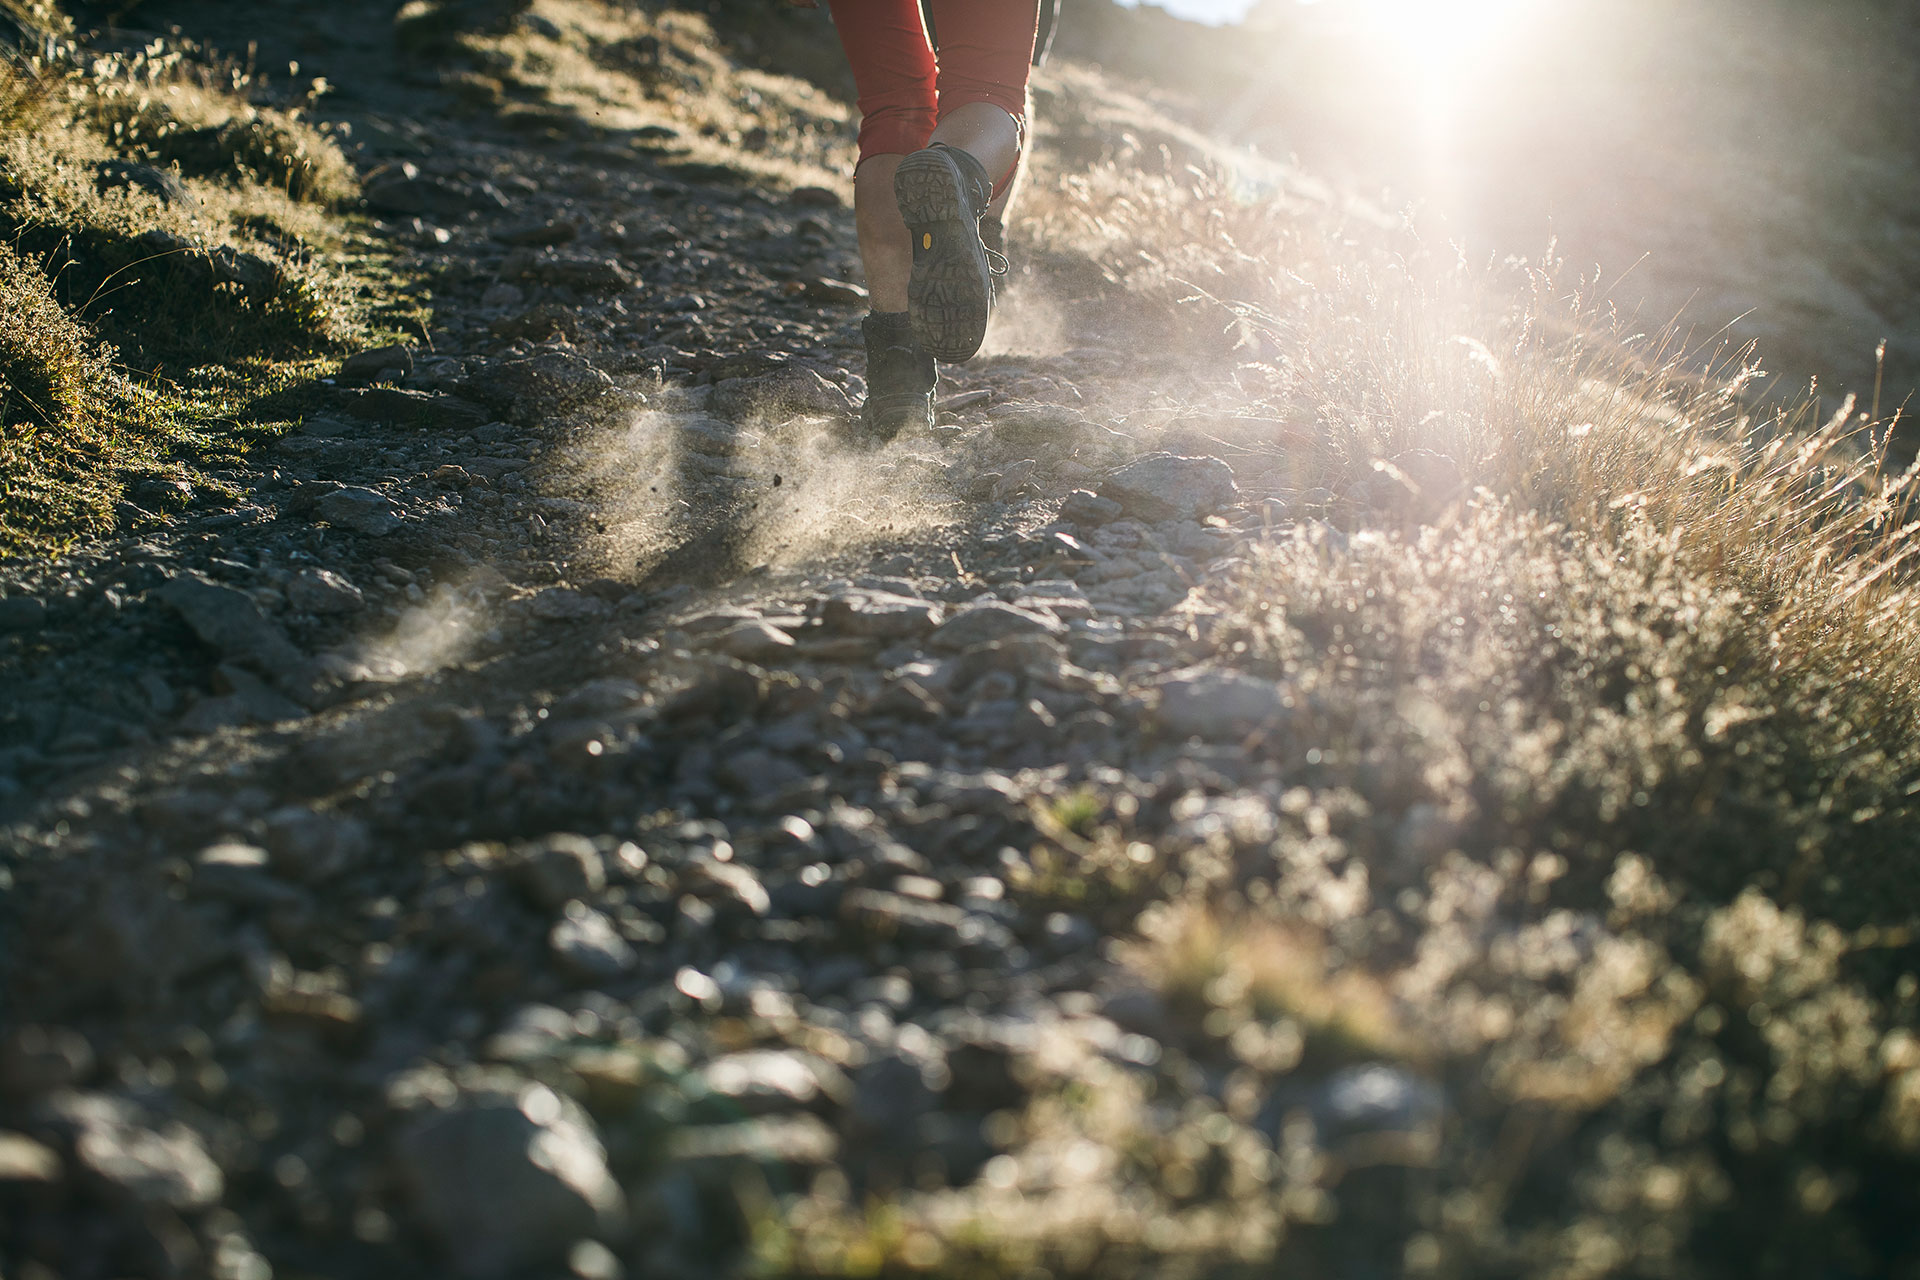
(1598, 805)
(182, 234)
(593, 68)
(55, 383)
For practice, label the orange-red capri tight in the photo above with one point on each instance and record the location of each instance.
(905, 89)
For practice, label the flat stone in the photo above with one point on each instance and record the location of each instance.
(116, 1145)
(528, 388)
(987, 621)
(587, 273)
(505, 1181)
(360, 509)
(231, 622)
(403, 189)
(1023, 424)
(1166, 486)
(240, 873)
(755, 772)
(323, 591)
(893, 916)
(405, 406)
(1085, 508)
(1219, 704)
(789, 391)
(544, 231)
(832, 292)
(371, 363)
(879, 615)
(816, 198)
(587, 946)
(755, 641)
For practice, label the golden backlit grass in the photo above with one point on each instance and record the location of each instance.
(1596, 807)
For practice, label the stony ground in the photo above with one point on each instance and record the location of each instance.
(580, 812)
(571, 696)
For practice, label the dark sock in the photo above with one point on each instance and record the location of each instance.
(890, 326)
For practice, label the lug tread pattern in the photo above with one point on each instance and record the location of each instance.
(950, 292)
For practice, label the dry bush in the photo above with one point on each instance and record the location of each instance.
(56, 392)
(1598, 799)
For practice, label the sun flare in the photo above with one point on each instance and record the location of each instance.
(1442, 29)
(1437, 47)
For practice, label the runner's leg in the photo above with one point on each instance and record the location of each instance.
(894, 77)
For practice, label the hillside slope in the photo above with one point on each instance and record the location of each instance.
(1745, 167)
(1328, 762)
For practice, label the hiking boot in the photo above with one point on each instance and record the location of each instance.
(900, 378)
(942, 192)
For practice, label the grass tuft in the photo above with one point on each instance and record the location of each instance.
(56, 451)
(185, 237)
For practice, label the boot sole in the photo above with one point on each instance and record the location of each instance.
(950, 292)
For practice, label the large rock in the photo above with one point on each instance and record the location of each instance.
(1418, 483)
(530, 387)
(229, 621)
(127, 175)
(309, 847)
(1219, 704)
(987, 621)
(587, 946)
(879, 615)
(1383, 1108)
(508, 1177)
(360, 509)
(759, 1081)
(791, 390)
(323, 591)
(156, 1164)
(35, 1060)
(1166, 486)
(560, 868)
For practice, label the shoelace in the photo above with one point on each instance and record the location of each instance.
(997, 262)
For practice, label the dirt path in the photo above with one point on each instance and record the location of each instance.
(578, 814)
(576, 706)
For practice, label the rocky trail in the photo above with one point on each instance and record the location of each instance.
(570, 720)
(579, 812)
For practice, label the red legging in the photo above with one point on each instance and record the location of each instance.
(986, 48)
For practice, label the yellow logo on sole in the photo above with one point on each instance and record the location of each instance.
(926, 240)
